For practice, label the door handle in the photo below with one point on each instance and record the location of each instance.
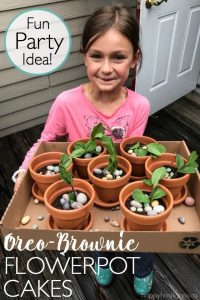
(150, 3)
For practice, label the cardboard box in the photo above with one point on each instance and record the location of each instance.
(167, 241)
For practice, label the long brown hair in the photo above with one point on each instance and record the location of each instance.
(118, 17)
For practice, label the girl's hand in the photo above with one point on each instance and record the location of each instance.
(18, 179)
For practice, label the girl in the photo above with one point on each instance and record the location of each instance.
(110, 47)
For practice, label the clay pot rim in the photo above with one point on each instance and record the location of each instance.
(98, 180)
(69, 212)
(86, 160)
(142, 217)
(138, 138)
(167, 180)
(32, 170)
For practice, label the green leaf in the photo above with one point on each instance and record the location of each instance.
(156, 149)
(139, 196)
(79, 145)
(90, 146)
(135, 146)
(98, 129)
(192, 158)
(77, 153)
(99, 136)
(72, 197)
(179, 162)
(157, 193)
(66, 176)
(157, 175)
(188, 169)
(65, 161)
(141, 152)
(112, 160)
(147, 182)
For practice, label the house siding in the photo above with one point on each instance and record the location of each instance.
(25, 100)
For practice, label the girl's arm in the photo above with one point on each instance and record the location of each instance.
(55, 126)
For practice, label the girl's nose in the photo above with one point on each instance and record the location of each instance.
(106, 66)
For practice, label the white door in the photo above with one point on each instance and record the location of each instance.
(171, 51)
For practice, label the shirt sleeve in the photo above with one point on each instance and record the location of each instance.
(55, 126)
(141, 120)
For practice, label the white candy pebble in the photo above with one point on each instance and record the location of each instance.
(109, 176)
(87, 155)
(81, 198)
(25, 220)
(147, 208)
(140, 209)
(75, 205)
(98, 149)
(159, 209)
(62, 201)
(97, 171)
(132, 208)
(65, 196)
(189, 201)
(117, 173)
(152, 213)
(135, 204)
(154, 203)
(35, 226)
(56, 169)
(36, 201)
(50, 168)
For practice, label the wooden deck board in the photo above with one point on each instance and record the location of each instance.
(175, 275)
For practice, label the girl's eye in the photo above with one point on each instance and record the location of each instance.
(95, 56)
(119, 57)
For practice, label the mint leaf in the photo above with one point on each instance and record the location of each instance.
(65, 161)
(77, 153)
(157, 175)
(141, 152)
(135, 146)
(79, 145)
(189, 169)
(90, 146)
(66, 176)
(156, 149)
(179, 162)
(147, 182)
(112, 160)
(192, 158)
(157, 193)
(139, 196)
(72, 197)
(98, 129)
(99, 136)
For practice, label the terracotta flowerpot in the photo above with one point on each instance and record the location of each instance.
(82, 163)
(75, 219)
(175, 185)
(137, 162)
(108, 190)
(137, 222)
(42, 160)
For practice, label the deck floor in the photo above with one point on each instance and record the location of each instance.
(176, 276)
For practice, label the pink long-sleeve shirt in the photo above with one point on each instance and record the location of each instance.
(73, 115)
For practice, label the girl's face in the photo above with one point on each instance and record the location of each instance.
(108, 61)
